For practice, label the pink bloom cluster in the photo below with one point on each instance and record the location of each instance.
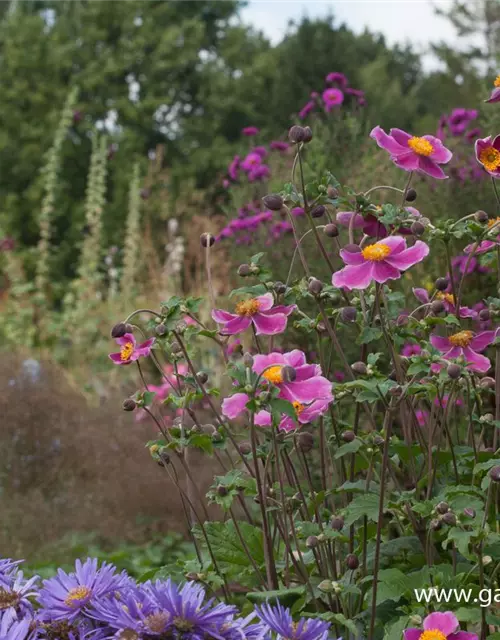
(332, 96)
(467, 345)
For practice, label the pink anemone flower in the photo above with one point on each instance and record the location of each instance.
(377, 262)
(486, 245)
(495, 94)
(130, 351)
(332, 98)
(439, 626)
(309, 392)
(370, 224)
(267, 319)
(488, 154)
(412, 153)
(468, 345)
(448, 301)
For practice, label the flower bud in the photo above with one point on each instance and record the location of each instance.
(402, 320)
(481, 217)
(441, 284)
(454, 371)
(306, 441)
(244, 270)
(437, 306)
(296, 134)
(175, 347)
(348, 314)
(360, 368)
(308, 134)
(326, 586)
(288, 373)
(165, 456)
(396, 391)
(331, 230)
(273, 201)
(469, 512)
(315, 286)
(202, 377)
(484, 315)
(337, 523)
(248, 360)
(119, 330)
(312, 542)
(348, 436)
(442, 507)
(207, 240)
(487, 382)
(487, 560)
(436, 525)
(378, 440)
(417, 228)
(411, 195)
(319, 211)
(352, 561)
(450, 519)
(332, 193)
(222, 490)
(488, 417)
(495, 474)
(280, 287)
(129, 404)
(244, 448)
(160, 329)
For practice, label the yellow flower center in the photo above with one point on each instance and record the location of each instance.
(497, 81)
(76, 595)
(156, 622)
(376, 252)
(182, 625)
(248, 307)
(447, 297)
(494, 221)
(461, 339)
(8, 599)
(490, 158)
(126, 351)
(128, 634)
(299, 408)
(432, 634)
(273, 374)
(421, 146)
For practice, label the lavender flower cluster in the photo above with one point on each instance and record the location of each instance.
(96, 602)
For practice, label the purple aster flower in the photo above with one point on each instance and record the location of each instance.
(439, 626)
(495, 94)
(280, 621)
(250, 131)
(332, 98)
(15, 629)
(262, 151)
(15, 592)
(468, 345)
(266, 318)
(131, 351)
(261, 172)
(307, 109)
(251, 161)
(66, 595)
(336, 78)
(488, 154)
(377, 262)
(278, 145)
(412, 153)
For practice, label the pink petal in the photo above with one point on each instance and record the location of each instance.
(412, 634)
(220, 316)
(496, 143)
(352, 257)
(495, 95)
(465, 312)
(454, 352)
(477, 361)
(288, 424)
(344, 218)
(482, 340)
(484, 247)
(117, 358)
(383, 271)
(144, 349)
(269, 325)
(421, 295)
(387, 142)
(281, 308)
(265, 302)
(128, 337)
(295, 358)
(354, 277)
(409, 257)
(463, 635)
(306, 391)
(238, 325)
(235, 405)
(428, 166)
(307, 371)
(263, 418)
(314, 410)
(261, 362)
(395, 243)
(441, 154)
(447, 622)
(401, 137)
(408, 161)
(440, 342)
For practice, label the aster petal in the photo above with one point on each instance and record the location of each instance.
(407, 161)
(352, 257)
(269, 325)
(482, 340)
(354, 276)
(263, 418)
(429, 166)
(383, 271)
(261, 362)
(477, 361)
(412, 634)
(447, 622)
(221, 316)
(388, 142)
(409, 257)
(421, 295)
(440, 342)
(238, 325)
(344, 218)
(235, 405)
(265, 301)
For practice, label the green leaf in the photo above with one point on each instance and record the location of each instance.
(283, 406)
(393, 584)
(369, 334)
(349, 447)
(394, 630)
(362, 505)
(285, 597)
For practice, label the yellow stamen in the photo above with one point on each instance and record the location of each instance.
(447, 297)
(461, 339)
(156, 622)
(497, 81)
(273, 374)
(490, 158)
(376, 252)
(182, 625)
(494, 221)
(126, 351)
(248, 307)
(432, 634)
(76, 595)
(8, 599)
(421, 146)
(299, 408)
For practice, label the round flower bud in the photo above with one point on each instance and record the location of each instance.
(417, 228)
(244, 270)
(352, 561)
(248, 360)
(312, 542)
(360, 368)
(481, 217)
(288, 373)
(337, 523)
(348, 314)
(280, 287)
(129, 404)
(411, 195)
(308, 134)
(244, 448)
(348, 436)
(306, 441)
(450, 519)
(296, 134)
(469, 512)
(315, 286)
(207, 240)
(487, 560)
(165, 456)
(160, 329)
(378, 440)
(442, 507)
(222, 490)
(332, 193)
(319, 211)
(202, 377)
(331, 230)
(176, 347)
(454, 371)
(326, 586)
(441, 284)
(273, 201)
(396, 391)
(402, 320)
(487, 382)
(495, 474)
(484, 315)
(436, 525)
(119, 330)
(145, 193)
(437, 306)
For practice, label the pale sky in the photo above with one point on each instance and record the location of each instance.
(400, 21)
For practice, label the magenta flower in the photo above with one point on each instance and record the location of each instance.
(377, 262)
(412, 153)
(261, 151)
(448, 301)
(488, 154)
(278, 145)
(332, 98)
(422, 417)
(234, 168)
(267, 320)
(130, 351)
(466, 344)
(260, 172)
(251, 161)
(336, 78)
(307, 109)
(439, 626)
(310, 392)
(370, 224)
(250, 131)
(411, 349)
(495, 94)
(459, 120)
